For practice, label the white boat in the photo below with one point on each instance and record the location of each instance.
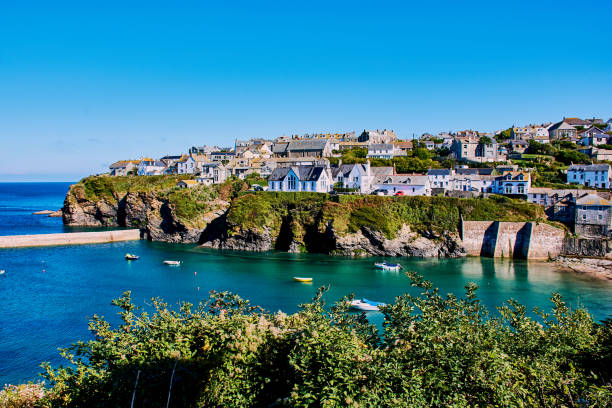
(173, 263)
(365, 305)
(2, 272)
(385, 266)
(131, 257)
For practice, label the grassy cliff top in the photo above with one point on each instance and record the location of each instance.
(98, 187)
(386, 214)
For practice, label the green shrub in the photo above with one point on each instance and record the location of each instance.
(434, 351)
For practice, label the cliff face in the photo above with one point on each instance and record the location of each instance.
(154, 213)
(294, 222)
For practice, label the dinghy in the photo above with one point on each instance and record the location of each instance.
(385, 266)
(365, 305)
(2, 272)
(172, 263)
(298, 279)
(131, 257)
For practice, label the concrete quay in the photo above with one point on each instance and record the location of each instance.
(70, 238)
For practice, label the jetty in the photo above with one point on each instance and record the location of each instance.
(69, 238)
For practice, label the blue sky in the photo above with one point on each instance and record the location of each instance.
(83, 84)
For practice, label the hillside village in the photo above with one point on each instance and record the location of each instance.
(563, 166)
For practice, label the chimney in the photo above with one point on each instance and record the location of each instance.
(367, 167)
(394, 169)
(339, 162)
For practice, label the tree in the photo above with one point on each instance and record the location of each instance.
(485, 140)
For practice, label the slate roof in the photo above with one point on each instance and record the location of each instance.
(589, 167)
(381, 171)
(407, 179)
(592, 199)
(380, 146)
(346, 169)
(485, 171)
(439, 172)
(309, 144)
(280, 147)
(561, 125)
(304, 173)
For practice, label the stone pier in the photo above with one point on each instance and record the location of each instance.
(71, 238)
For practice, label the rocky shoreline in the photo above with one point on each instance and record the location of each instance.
(600, 268)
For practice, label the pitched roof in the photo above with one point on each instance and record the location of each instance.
(407, 179)
(381, 171)
(308, 144)
(380, 146)
(484, 171)
(303, 173)
(589, 167)
(439, 172)
(592, 199)
(576, 122)
(280, 147)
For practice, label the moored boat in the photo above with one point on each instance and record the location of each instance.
(366, 305)
(172, 263)
(298, 279)
(386, 266)
(131, 257)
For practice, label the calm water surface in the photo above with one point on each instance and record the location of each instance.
(48, 294)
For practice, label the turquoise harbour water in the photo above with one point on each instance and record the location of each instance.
(49, 294)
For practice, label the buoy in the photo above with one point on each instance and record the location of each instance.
(195, 273)
(198, 288)
(43, 270)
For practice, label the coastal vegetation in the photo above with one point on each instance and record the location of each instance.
(350, 214)
(433, 350)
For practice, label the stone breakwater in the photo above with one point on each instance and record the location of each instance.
(73, 238)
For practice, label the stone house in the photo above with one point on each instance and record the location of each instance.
(562, 130)
(124, 167)
(377, 136)
(592, 216)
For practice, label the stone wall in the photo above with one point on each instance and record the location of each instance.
(71, 238)
(586, 247)
(526, 240)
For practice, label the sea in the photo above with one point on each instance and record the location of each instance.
(48, 295)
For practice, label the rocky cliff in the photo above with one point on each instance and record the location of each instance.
(227, 217)
(158, 213)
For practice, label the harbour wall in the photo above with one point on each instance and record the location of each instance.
(527, 240)
(71, 238)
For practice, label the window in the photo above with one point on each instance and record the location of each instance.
(291, 182)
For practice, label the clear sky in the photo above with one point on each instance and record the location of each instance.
(85, 83)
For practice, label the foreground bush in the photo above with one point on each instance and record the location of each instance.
(434, 351)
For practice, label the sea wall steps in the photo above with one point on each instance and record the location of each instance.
(71, 238)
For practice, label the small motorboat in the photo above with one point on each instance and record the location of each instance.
(385, 266)
(365, 305)
(2, 272)
(298, 279)
(172, 263)
(131, 257)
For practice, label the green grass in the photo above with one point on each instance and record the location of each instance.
(350, 214)
(98, 187)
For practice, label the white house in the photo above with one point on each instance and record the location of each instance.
(381, 150)
(151, 168)
(356, 176)
(301, 178)
(408, 184)
(440, 178)
(590, 175)
(513, 183)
